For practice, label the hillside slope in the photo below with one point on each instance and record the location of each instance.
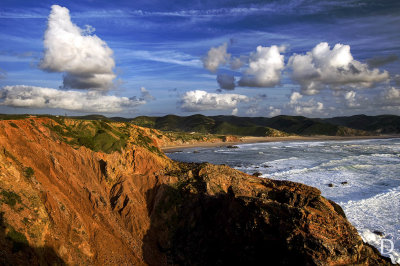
(64, 203)
(380, 124)
(247, 126)
(208, 125)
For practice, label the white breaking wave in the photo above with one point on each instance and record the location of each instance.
(383, 244)
(378, 213)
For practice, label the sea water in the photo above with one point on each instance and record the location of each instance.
(362, 176)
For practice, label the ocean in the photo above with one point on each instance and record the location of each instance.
(362, 176)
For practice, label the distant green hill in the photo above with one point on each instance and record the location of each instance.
(382, 124)
(226, 125)
(282, 125)
(246, 126)
(307, 126)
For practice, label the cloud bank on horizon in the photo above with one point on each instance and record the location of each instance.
(273, 63)
(198, 100)
(89, 101)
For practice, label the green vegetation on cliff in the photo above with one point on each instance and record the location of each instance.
(10, 198)
(97, 135)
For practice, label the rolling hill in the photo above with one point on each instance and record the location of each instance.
(248, 126)
(282, 125)
(381, 124)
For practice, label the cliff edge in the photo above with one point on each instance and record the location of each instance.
(68, 198)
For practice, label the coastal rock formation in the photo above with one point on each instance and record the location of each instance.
(216, 215)
(68, 204)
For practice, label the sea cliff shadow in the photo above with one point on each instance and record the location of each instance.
(15, 249)
(193, 228)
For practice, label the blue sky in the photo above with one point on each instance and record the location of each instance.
(159, 50)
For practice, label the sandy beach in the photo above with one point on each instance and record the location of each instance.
(248, 139)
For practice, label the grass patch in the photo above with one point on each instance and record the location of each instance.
(19, 240)
(95, 135)
(147, 142)
(10, 198)
(13, 125)
(29, 172)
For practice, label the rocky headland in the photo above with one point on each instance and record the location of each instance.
(111, 197)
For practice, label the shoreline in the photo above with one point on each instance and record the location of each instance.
(249, 140)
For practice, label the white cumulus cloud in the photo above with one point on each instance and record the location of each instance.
(199, 100)
(265, 67)
(91, 101)
(216, 57)
(334, 68)
(85, 59)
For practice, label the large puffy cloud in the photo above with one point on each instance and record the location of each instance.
(265, 67)
(91, 101)
(216, 57)
(263, 70)
(199, 100)
(86, 59)
(335, 68)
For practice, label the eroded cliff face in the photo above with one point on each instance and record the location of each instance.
(88, 207)
(61, 204)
